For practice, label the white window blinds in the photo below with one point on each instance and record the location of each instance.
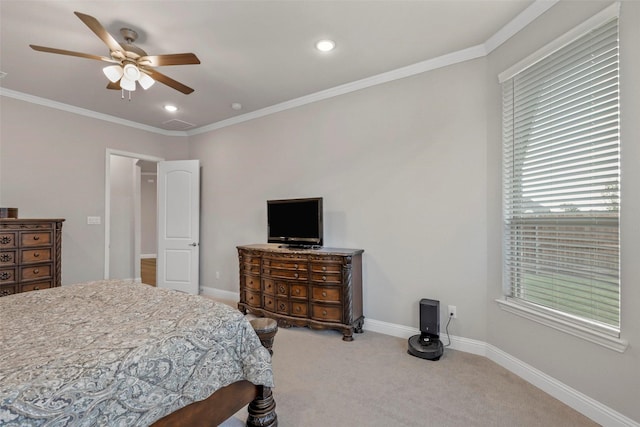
(561, 171)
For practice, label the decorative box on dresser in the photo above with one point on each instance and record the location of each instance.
(319, 288)
(30, 254)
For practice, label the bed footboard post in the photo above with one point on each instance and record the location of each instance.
(262, 410)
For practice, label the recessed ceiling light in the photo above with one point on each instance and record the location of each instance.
(171, 108)
(325, 45)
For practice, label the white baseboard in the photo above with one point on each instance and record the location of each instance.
(587, 406)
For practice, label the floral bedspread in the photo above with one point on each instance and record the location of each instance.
(118, 353)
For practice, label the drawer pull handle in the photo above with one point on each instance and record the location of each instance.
(5, 257)
(6, 292)
(297, 291)
(36, 237)
(296, 275)
(36, 271)
(282, 306)
(36, 288)
(324, 312)
(298, 309)
(4, 275)
(36, 254)
(324, 278)
(282, 289)
(251, 298)
(324, 294)
(4, 241)
(324, 268)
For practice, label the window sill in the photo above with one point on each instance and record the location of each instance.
(547, 319)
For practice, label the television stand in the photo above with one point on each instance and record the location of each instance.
(318, 288)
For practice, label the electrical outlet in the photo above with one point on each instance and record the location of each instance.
(453, 311)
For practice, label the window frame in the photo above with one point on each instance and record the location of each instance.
(599, 334)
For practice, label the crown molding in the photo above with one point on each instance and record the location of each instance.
(84, 112)
(537, 8)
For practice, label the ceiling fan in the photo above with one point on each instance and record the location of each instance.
(131, 64)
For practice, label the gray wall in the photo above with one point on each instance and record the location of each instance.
(401, 168)
(52, 165)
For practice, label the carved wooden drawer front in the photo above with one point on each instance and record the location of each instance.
(35, 272)
(285, 274)
(252, 282)
(35, 255)
(35, 286)
(268, 286)
(326, 313)
(269, 303)
(7, 290)
(7, 258)
(7, 275)
(252, 298)
(299, 291)
(318, 288)
(8, 240)
(326, 294)
(35, 239)
(34, 248)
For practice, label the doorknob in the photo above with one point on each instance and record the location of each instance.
(193, 244)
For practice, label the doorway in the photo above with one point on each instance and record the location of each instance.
(127, 217)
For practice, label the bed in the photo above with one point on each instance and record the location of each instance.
(120, 353)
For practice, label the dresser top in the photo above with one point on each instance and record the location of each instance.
(272, 247)
(14, 220)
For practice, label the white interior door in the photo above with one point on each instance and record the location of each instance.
(179, 225)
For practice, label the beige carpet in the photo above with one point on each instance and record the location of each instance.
(373, 382)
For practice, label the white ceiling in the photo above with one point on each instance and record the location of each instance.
(257, 53)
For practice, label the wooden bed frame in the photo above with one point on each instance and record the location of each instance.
(225, 402)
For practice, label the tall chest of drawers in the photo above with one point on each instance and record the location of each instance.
(30, 254)
(318, 288)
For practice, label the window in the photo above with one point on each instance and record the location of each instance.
(561, 180)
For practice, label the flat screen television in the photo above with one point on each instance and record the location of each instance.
(295, 222)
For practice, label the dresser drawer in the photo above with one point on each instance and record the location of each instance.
(269, 303)
(251, 282)
(35, 272)
(35, 238)
(252, 298)
(299, 291)
(7, 290)
(268, 286)
(327, 277)
(320, 293)
(7, 258)
(8, 240)
(325, 267)
(35, 286)
(251, 268)
(35, 255)
(299, 309)
(7, 275)
(285, 274)
(326, 313)
(285, 264)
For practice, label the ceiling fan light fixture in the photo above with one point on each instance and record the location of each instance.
(131, 72)
(113, 73)
(127, 84)
(145, 81)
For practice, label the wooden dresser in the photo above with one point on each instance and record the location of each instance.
(318, 288)
(30, 254)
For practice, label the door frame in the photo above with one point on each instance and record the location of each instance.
(107, 201)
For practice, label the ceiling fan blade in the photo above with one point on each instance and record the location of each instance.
(172, 59)
(100, 31)
(71, 53)
(168, 81)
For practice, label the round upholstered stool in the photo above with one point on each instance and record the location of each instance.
(266, 329)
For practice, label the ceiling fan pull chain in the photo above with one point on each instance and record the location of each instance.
(122, 93)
